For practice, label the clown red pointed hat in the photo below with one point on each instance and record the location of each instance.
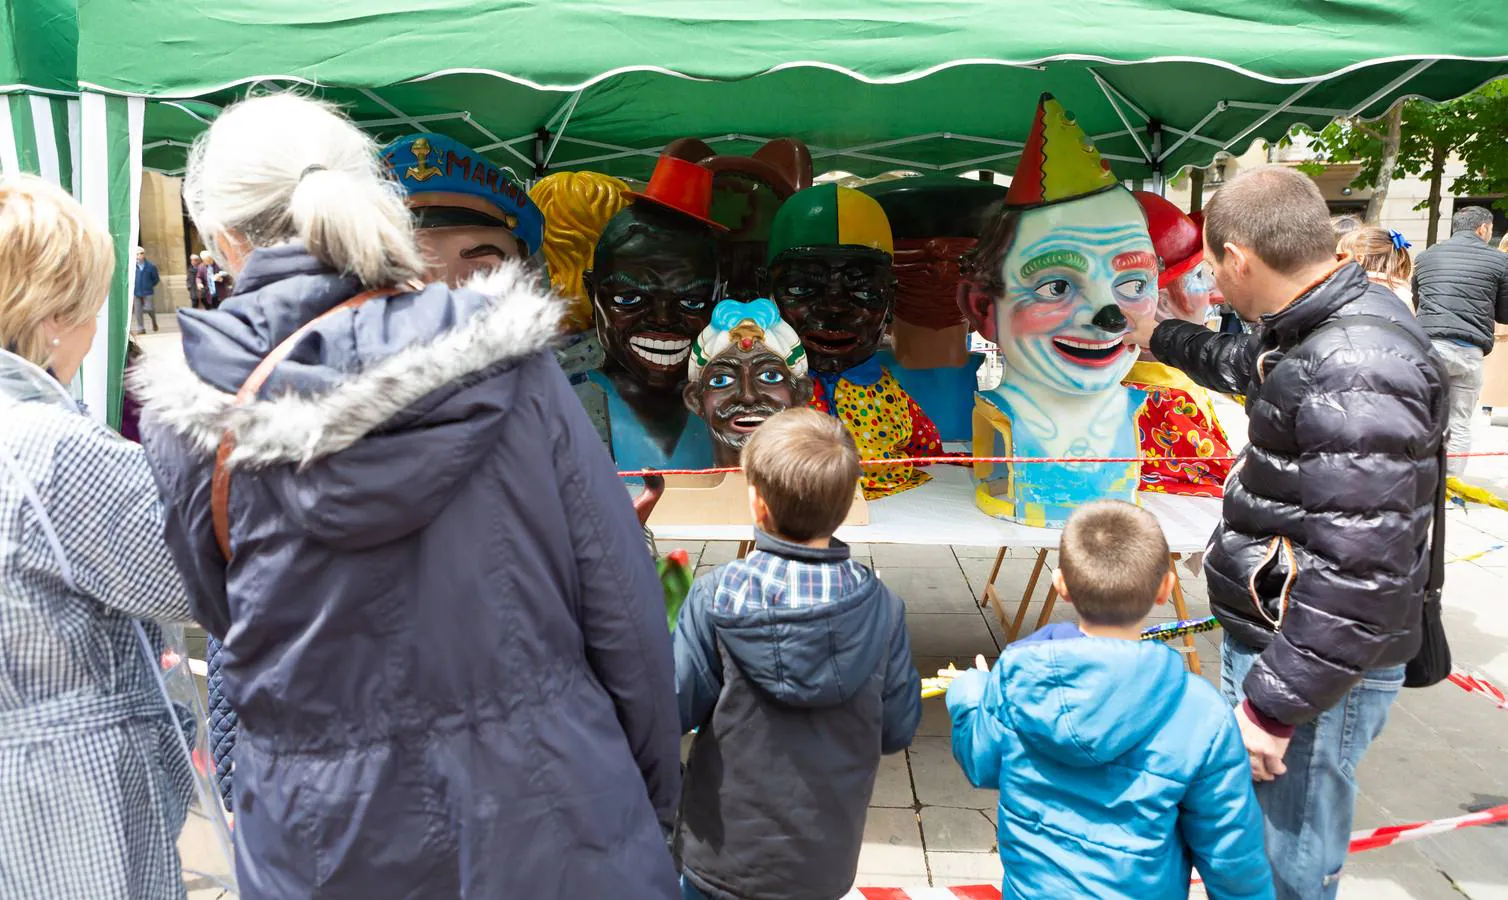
(1058, 163)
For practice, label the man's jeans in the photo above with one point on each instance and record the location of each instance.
(1465, 365)
(1307, 810)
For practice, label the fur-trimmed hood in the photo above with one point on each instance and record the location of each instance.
(379, 417)
(356, 373)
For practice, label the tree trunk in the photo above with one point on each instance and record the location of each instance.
(1436, 174)
(1196, 190)
(1389, 162)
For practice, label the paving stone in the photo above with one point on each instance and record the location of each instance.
(719, 552)
(892, 784)
(981, 552)
(1481, 890)
(965, 868)
(935, 719)
(693, 549)
(1372, 881)
(1010, 582)
(892, 853)
(963, 830)
(954, 635)
(912, 555)
(938, 779)
(935, 589)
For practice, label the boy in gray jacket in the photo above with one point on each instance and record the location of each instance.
(795, 665)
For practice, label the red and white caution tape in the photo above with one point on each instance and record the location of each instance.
(965, 892)
(1475, 684)
(999, 460)
(1388, 835)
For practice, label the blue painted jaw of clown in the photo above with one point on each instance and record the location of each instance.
(1075, 274)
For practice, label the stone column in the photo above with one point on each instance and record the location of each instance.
(162, 238)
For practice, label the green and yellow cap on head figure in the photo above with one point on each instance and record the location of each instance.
(828, 216)
(1059, 163)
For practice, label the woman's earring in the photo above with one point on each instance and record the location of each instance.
(57, 342)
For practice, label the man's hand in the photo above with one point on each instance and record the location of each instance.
(1264, 750)
(1141, 330)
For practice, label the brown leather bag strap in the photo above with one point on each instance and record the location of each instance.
(220, 482)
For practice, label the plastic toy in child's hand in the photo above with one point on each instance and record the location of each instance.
(938, 685)
(675, 579)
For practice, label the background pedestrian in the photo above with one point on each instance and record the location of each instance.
(1461, 289)
(145, 280)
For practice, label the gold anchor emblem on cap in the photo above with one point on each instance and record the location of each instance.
(422, 170)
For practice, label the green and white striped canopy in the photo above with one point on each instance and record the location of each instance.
(89, 144)
(869, 85)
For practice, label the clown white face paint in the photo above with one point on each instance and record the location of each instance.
(1190, 297)
(1074, 273)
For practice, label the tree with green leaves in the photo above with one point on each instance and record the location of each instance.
(1417, 137)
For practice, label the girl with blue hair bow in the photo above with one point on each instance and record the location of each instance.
(1385, 256)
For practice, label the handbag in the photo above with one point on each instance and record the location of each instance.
(1431, 664)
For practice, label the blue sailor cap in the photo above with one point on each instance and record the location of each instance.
(440, 171)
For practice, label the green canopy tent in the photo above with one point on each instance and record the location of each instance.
(87, 144)
(870, 85)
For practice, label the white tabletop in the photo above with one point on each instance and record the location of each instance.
(942, 511)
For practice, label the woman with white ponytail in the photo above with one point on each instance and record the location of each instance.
(441, 633)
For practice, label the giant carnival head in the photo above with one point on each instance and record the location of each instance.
(1057, 277)
(654, 276)
(577, 206)
(746, 366)
(830, 270)
(471, 215)
(936, 221)
(746, 193)
(1186, 288)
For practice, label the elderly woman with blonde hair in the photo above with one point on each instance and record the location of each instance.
(440, 630)
(94, 783)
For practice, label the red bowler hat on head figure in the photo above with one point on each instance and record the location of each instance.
(683, 186)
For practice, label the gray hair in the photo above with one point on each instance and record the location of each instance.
(282, 168)
(1470, 218)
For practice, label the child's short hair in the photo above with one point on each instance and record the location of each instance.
(1114, 558)
(805, 466)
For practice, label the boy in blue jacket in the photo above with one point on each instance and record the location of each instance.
(795, 665)
(1118, 770)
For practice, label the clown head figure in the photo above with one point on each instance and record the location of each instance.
(653, 283)
(830, 255)
(746, 366)
(653, 280)
(1186, 289)
(471, 215)
(1055, 282)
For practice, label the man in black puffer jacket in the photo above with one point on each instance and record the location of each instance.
(1461, 289)
(1317, 572)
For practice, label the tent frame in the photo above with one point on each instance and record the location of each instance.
(1147, 133)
